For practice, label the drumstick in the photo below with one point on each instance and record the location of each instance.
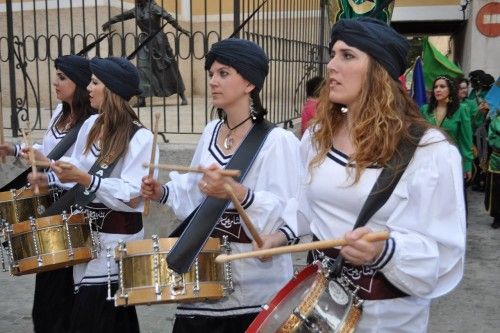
(2, 137)
(46, 164)
(325, 244)
(153, 157)
(180, 168)
(244, 215)
(31, 154)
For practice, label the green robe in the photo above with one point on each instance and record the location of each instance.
(476, 117)
(494, 142)
(459, 128)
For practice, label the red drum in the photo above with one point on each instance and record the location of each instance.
(311, 302)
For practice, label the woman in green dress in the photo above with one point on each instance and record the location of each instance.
(492, 199)
(445, 111)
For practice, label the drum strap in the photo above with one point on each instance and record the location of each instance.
(78, 194)
(196, 229)
(56, 153)
(385, 184)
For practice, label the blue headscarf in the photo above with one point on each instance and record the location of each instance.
(375, 38)
(243, 55)
(76, 68)
(118, 75)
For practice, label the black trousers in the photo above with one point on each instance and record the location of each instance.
(231, 324)
(492, 195)
(92, 313)
(53, 301)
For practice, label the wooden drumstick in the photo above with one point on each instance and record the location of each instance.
(180, 168)
(244, 215)
(2, 137)
(46, 164)
(325, 244)
(31, 154)
(147, 202)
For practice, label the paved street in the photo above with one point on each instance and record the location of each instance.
(473, 307)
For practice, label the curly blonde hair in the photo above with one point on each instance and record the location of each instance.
(380, 121)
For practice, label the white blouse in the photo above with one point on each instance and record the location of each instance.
(272, 179)
(425, 216)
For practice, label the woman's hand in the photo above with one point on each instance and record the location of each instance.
(483, 107)
(358, 251)
(212, 184)
(68, 173)
(467, 176)
(270, 241)
(25, 153)
(151, 189)
(40, 180)
(6, 149)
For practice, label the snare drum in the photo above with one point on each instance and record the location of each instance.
(310, 302)
(19, 205)
(49, 243)
(144, 276)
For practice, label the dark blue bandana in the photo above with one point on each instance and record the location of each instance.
(375, 38)
(118, 75)
(245, 56)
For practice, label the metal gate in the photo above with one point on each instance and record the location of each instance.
(35, 33)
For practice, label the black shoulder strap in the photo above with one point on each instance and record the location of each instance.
(201, 224)
(56, 153)
(77, 194)
(385, 184)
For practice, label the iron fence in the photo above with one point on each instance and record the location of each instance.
(35, 33)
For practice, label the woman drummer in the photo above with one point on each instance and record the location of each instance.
(70, 83)
(237, 69)
(363, 116)
(114, 135)
(54, 290)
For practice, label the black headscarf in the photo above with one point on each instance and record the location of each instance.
(375, 38)
(245, 56)
(76, 68)
(118, 75)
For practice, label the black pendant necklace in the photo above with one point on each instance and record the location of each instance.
(228, 140)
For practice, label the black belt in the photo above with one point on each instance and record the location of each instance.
(373, 285)
(113, 222)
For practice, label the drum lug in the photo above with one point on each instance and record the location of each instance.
(122, 250)
(311, 327)
(108, 265)
(96, 244)
(228, 273)
(156, 266)
(352, 288)
(196, 288)
(13, 194)
(34, 233)
(7, 230)
(2, 240)
(65, 219)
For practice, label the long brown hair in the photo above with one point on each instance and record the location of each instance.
(380, 120)
(112, 128)
(79, 109)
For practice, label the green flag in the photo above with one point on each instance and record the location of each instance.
(436, 63)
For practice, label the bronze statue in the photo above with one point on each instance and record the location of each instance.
(158, 69)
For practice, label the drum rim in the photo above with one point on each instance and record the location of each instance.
(280, 296)
(6, 196)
